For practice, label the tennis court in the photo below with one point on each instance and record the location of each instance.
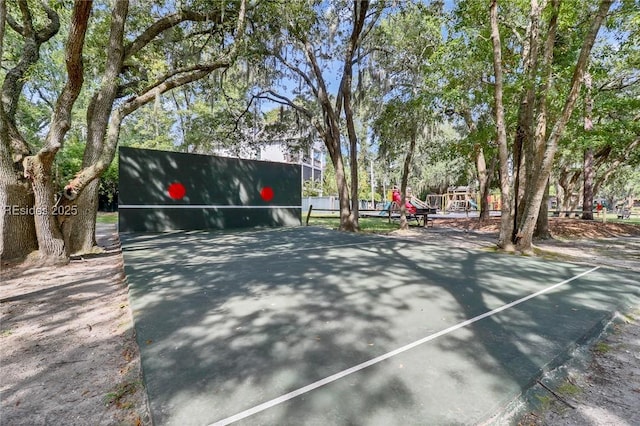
(305, 325)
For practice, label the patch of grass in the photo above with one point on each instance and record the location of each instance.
(545, 401)
(103, 217)
(6, 333)
(367, 224)
(633, 220)
(569, 389)
(118, 395)
(601, 348)
(491, 249)
(550, 255)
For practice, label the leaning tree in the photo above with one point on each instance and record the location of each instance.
(171, 50)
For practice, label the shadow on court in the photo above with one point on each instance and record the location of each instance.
(229, 321)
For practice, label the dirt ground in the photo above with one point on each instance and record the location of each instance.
(68, 353)
(601, 389)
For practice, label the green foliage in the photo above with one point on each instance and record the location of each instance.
(150, 127)
(109, 182)
(104, 217)
(69, 160)
(311, 188)
(624, 185)
(601, 348)
(329, 186)
(417, 68)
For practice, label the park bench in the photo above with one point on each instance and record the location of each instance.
(623, 213)
(424, 214)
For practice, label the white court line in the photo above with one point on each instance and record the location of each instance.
(163, 261)
(280, 250)
(356, 368)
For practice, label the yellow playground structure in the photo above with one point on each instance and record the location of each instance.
(456, 199)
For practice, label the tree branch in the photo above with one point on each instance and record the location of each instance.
(27, 20)
(93, 171)
(298, 71)
(61, 120)
(330, 116)
(164, 24)
(14, 79)
(615, 165)
(619, 84)
(576, 80)
(96, 168)
(14, 25)
(50, 30)
(184, 76)
(283, 100)
(376, 15)
(44, 98)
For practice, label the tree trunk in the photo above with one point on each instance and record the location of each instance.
(589, 172)
(38, 168)
(484, 178)
(524, 144)
(404, 224)
(524, 237)
(542, 225)
(16, 226)
(536, 194)
(79, 230)
(346, 223)
(506, 220)
(353, 158)
(3, 17)
(568, 181)
(333, 146)
(51, 246)
(18, 230)
(359, 16)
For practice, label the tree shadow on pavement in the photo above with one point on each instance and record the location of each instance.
(228, 321)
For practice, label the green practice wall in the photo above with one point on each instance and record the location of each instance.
(220, 192)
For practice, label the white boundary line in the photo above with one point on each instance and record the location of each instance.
(279, 250)
(252, 255)
(199, 206)
(376, 360)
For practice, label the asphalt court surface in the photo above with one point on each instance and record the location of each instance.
(305, 325)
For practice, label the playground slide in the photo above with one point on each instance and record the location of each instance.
(419, 203)
(385, 209)
(388, 205)
(473, 204)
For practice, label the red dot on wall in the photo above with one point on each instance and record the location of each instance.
(266, 193)
(176, 191)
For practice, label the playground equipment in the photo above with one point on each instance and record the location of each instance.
(415, 208)
(457, 199)
(397, 199)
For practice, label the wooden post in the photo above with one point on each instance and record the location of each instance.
(309, 213)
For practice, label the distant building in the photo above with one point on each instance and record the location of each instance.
(311, 159)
